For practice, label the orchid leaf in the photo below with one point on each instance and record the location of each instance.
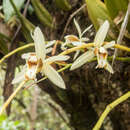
(115, 6)
(97, 12)
(41, 12)
(63, 4)
(8, 9)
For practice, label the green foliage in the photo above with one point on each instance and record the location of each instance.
(8, 9)
(3, 46)
(47, 111)
(97, 12)
(109, 9)
(27, 26)
(8, 124)
(115, 6)
(42, 13)
(63, 4)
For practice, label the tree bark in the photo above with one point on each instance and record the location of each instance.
(87, 92)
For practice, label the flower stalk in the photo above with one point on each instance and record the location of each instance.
(109, 108)
(68, 51)
(11, 97)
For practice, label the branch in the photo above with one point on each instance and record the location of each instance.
(11, 97)
(121, 47)
(70, 18)
(109, 108)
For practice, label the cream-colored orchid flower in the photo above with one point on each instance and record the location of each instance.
(99, 50)
(74, 40)
(37, 62)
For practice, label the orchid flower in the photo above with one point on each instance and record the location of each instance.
(99, 50)
(37, 62)
(48, 48)
(74, 40)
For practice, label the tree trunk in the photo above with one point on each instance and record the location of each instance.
(89, 91)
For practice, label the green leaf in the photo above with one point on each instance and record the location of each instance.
(42, 13)
(97, 12)
(27, 26)
(16, 123)
(3, 46)
(115, 6)
(8, 9)
(63, 4)
(2, 118)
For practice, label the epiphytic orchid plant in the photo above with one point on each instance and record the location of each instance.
(99, 50)
(37, 62)
(74, 40)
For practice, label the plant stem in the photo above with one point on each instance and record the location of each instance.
(121, 47)
(76, 48)
(15, 51)
(11, 97)
(109, 108)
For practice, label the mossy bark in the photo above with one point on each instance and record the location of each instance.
(87, 94)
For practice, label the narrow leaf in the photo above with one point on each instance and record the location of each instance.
(63, 4)
(8, 9)
(115, 6)
(97, 12)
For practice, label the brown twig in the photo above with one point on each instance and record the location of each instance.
(70, 18)
(54, 48)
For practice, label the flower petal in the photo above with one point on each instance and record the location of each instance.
(63, 46)
(85, 39)
(48, 50)
(31, 73)
(101, 62)
(101, 34)
(53, 75)
(25, 56)
(109, 45)
(71, 38)
(109, 68)
(88, 28)
(76, 54)
(50, 43)
(57, 58)
(102, 58)
(87, 56)
(77, 43)
(19, 77)
(39, 42)
(77, 27)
